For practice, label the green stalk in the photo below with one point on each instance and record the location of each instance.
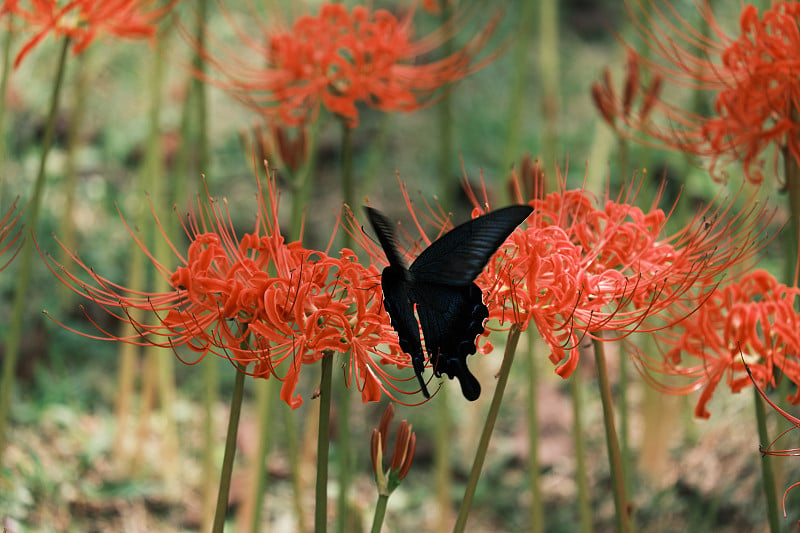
(581, 472)
(155, 182)
(194, 161)
(294, 467)
(792, 176)
(342, 393)
(614, 454)
(442, 453)
(380, 513)
(442, 458)
(491, 419)
(549, 49)
(66, 227)
(264, 396)
(323, 442)
(536, 517)
(3, 94)
(767, 474)
(26, 254)
(230, 452)
(519, 84)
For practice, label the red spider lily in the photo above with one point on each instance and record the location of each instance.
(752, 78)
(340, 58)
(582, 269)
(748, 325)
(10, 241)
(83, 21)
(256, 299)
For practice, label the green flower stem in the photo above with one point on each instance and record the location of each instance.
(581, 472)
(230, 452)
(549, 48)
(264, 396)
(294, 467)
(3, 93)
(491, 419)
(442, 451)
(380, 513)
(26, 254)
(614, 454)
(767, 474)
(536, 518)
(321, 509)
(792, 177)
(342, 392)
(442, 460)
(520, 84)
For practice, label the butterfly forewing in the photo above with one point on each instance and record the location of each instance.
(458, 256)
(385, 232)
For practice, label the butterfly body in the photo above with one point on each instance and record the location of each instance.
(438, 294)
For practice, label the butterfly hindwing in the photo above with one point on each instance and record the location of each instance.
(458, 256)
(451, 319)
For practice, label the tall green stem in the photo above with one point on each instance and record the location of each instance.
(26, 254)
(614, 454)
(323, 442)
(3, 93)
(491, 419)
(519, 84)
(230, 452)
(551, 87)
(578, 432)
(380, 513)
(767, 474)
(342, 392)
(536, 517)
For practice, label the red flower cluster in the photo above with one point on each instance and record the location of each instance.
(338, 59)
(580, 269)
(83, 21)
(256, 299)
(750, 322)
(753, 79)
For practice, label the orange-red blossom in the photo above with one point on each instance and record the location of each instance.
(599, 269)
(82, 21)
(752, 78)
(749, 322)
(340, 58)
(268, 306)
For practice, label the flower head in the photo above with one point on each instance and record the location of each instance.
(340, 58)
(582, 267)
(83, 21)
(268, 306)
(753, 78)
(748, 325)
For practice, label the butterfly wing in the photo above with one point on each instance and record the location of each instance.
(458, 256)
(451, 318)
(385, 232)
(399, 305)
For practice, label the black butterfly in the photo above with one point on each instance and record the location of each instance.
(440, 285)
